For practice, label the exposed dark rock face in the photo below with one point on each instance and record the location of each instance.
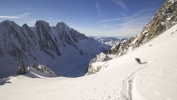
(46, 42)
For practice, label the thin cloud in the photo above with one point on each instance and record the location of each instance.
(130, 25)
(98, 7)
(30, 8)
(110, 26)
(123, 14)
(9, 17)
(121, 4)
(144, 12)
(110, 20)
(25, 14)
(15, 17)
(55, 14)
(51, 13)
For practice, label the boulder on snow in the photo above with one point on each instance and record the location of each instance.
(93, 70)
(41, 70)
(21, 70)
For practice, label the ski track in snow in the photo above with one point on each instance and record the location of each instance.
(127, 85)
(161, 95)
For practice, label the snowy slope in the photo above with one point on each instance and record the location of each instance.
(123, 79)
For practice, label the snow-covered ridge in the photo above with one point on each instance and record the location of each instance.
(59, 47)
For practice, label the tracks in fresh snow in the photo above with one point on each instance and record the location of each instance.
(127, 85)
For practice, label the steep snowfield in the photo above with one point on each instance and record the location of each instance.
(122, 79)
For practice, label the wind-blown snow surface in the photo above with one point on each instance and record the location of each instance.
(123, 79)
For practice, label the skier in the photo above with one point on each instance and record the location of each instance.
(138, 60)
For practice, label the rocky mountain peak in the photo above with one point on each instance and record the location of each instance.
(8, 22)
(41, 22)
(62, 24)
(63, 27)
(25, 25)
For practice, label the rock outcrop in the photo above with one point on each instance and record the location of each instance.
(21, 70)
(41, 70)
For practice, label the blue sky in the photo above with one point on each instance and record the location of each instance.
(91, 17)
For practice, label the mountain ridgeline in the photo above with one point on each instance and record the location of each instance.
(52, 46)
(164, 19)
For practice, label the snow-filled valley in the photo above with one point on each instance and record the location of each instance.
(121, 79)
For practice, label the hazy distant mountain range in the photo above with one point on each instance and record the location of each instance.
(111, 41)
